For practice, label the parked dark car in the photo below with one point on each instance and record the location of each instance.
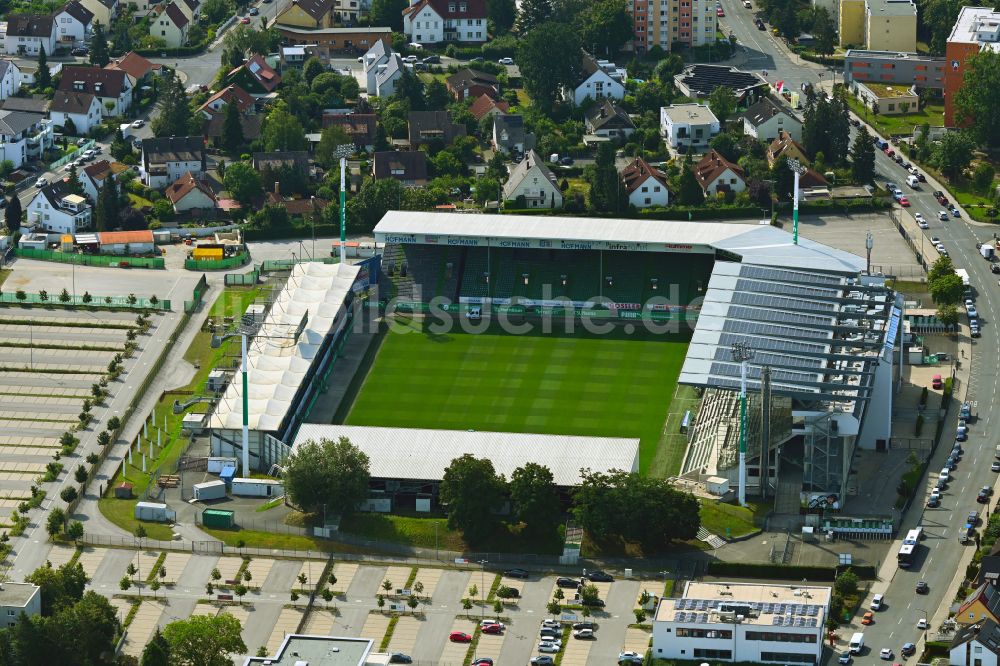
(600, 577)
(922, 587)
(515, 573)
(597, 603)
(400, 658)
(584, 625)
(432, 60)
(563, 581)
(80, 51)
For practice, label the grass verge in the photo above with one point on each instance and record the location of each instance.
(729, 520)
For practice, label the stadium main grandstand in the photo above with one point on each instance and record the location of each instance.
(822, 329)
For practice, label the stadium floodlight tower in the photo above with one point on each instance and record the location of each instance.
(742, 355)
(798, 170)
(343, 152)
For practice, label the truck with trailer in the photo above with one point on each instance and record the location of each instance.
(964, 274)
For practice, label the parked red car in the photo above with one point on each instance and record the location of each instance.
(459, 637)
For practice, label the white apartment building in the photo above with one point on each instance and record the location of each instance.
(690, 125)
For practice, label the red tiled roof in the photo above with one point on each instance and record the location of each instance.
(115, 237)
(474, 9)
(229, 94)
(176, 15)
(133, 64)
(639, 172)
(485, 104)
(712, 166)
(186, 184)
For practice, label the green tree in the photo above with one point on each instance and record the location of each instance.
(535, 500)
(312, 68)
(947, 289)
(108, 207)
(332, 137)
(824, 31)
(952, 153)
(59, 587)
(56, 521)
(472, 491)
(722, 102)
(217, 11)
(977, 102)
(940, 268)
(549, 58)
(374, 200)
(203, 640)
(243, 182)
(947, 314)
(175, 117)
(99, 46)
(12, 214)
(282, 130)
(847, 583)
(531, 14)
(43, 78)
(605, 185)
(605, 26)
(329, 475)
(784, 179)
(84, 632)
(982, 178)
(436, 96)
(863, 156)
(75, 531)
(501, 15)
(689, 192)
(727, 145)
(412, 602)
(156, 652)
(388, 13)
(233, 141)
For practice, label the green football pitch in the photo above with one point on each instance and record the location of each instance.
(581, 384)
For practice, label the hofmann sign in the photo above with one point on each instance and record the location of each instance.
(538, 243)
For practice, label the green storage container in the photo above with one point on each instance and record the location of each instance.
(218, 518)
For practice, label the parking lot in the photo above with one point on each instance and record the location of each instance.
(890, 253)
(267, 612)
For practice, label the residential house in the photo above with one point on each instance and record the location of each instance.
(73, 22)
(23, 136)
(250, 126)
(387, 75)
(976, 645)
(878, 25)
(29, 33)
(531, 179)
(328, 43)
(166, 159)
(17, 599)
(989, 567)
(191, 194)
(980, 605)
(81, 109)
(140, 69)
(699, 80)
(56, 209)
(786, 146)
(93, 176)
(435, 21)
(295, 159)
(717, 174)
(231, 94)
(428, 126)
(113, 87)
(10, 79)
(688, 126)
(645, 185)
(767, 119)
(509, 134)
(407, 166)
(377, 55)
(104, 11)
(598, 79)
(470, 83)
(293, 57)
(255, 76)
(170, 24)
(190, 9)
(33, 104)
(609, 120)
(295, 207)
(310, 14)
(361, 127)
(487, 106)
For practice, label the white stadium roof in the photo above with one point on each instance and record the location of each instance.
(753, 242)
(279, 365)
(406, 453)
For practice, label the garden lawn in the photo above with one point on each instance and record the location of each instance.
(932, 114)
(611, 385)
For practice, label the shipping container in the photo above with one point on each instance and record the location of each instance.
(153, 511)
(210, 253)
(216, 465)
(258, 487)
(209, 490)
(218, 518)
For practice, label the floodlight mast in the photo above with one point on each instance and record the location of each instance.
(798, 170)
(343, 152)
(742, 354)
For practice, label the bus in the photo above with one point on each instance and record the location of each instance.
(908, 551)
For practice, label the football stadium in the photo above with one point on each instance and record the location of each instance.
(608, 344)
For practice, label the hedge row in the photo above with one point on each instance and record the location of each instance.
(181, 51)
(297, 232)
(784, 572)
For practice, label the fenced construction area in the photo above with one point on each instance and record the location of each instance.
(611, 385)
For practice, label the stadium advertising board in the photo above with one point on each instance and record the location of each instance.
(539, 243)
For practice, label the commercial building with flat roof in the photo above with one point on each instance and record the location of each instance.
(312, 650)
(894, 67)
(886, 100)
(17, 598)
(975, 30)
(745, 622)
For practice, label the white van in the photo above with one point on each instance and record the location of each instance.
(857, 643)
(877, 602)
(945, 474)
(997, 454)
(913, 182)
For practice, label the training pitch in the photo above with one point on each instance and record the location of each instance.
(581, 384)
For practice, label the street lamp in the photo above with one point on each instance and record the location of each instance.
(798, 170)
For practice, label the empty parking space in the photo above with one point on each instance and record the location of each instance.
(60, 555)
(577, 652)
(142, 627)
(375, 626)
(490, 645)
(173, 568)
(344, 574)
(429, 578)
(312, 570)
(319, 623)
(287, 623)
(228, 568)
(90, 559)
(636, 640)
(397, 576)
(259, 569)
(404, 636)
(454, 653)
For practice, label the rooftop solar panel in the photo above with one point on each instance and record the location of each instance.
(784, 302)
(783, 275)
